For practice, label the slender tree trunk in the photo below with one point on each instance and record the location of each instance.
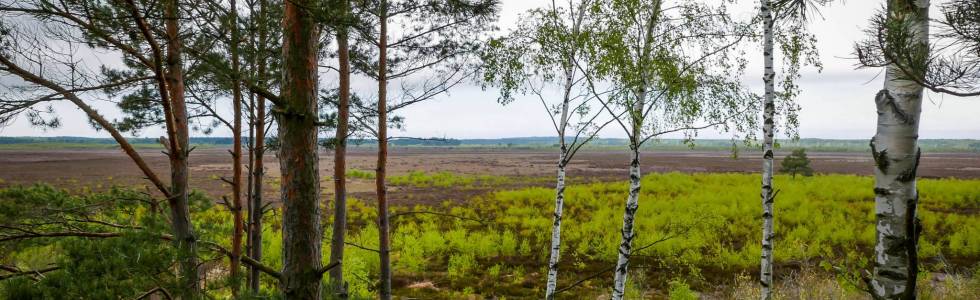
(633, 200)
(896, 155)
(249, 184)
(258, 166)
(768, 115)
(563, 158)
(382, 189)
(340, 160)
(556, 227)
(298, 157)
(179, 207)
(258, 175)
(236, 241)
(626, 245)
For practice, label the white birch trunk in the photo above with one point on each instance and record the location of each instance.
(626, 245)
(896, 154)
(769, 111)
(556, 228)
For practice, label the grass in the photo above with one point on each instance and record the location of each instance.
(495, 245)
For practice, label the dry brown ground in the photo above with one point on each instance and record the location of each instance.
(103, 168)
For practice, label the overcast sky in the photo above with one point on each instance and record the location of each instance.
(836, 103)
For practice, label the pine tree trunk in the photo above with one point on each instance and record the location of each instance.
(769, 111)
(382, 189)
(258, 167)
(896, 155)
(179, 172)
(626, 245)
(236, 241)
(255, 214)
(298, 157)
(340, 162)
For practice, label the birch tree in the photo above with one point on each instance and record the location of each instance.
(945, 62)
(797, 49)
(900, 43)
(541, 55)
(152, 79)
(674, 68)
(428, 57)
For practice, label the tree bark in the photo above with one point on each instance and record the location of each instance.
(258, 166)
(298, 157)
(563, 159)
(179, 207)
(896, 155)
(556, 227)
(768, 115)
(236, 241)
(626, 245)
(382, 189)
(340, 159)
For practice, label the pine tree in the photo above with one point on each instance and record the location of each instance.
(796, 163)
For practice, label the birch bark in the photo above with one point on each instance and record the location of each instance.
(896, 155)
(633, 200)
(768, 115)
(626, 245)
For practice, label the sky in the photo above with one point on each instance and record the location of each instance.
(837, 103)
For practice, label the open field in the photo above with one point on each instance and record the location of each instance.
(473, 222)
(97, 168)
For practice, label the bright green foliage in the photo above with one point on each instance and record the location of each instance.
(446, 179)
(499, 245)
(796, 163)
(360, 174)
(681, 291)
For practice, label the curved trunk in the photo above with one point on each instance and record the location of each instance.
(896, 155)
(298, 157)
(340, 165)
(626, 245)
(768, 115)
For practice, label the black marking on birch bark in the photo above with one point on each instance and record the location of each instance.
(768, 154)
(763, 283)
(913, 230)
(882, 191)
(885, 98)
(881, 158)
(909, 174)
(892, 275)
(895, 245)
(767, 246)
(767, 215)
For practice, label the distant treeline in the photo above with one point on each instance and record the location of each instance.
(816, 145)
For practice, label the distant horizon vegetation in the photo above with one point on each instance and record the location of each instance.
(532, 142)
